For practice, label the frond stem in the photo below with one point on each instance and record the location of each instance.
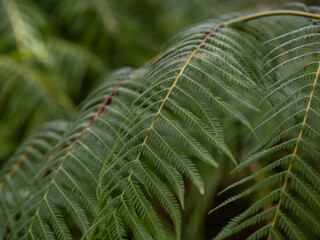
(97, 114)
(274, 221)
(271, 13)
(22, 158)
(214, 29)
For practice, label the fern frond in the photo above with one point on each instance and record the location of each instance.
(67, 179)
(141, 134)
(20, 170)
(290, 148)
(188, 88)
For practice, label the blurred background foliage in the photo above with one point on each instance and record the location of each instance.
(52, 52)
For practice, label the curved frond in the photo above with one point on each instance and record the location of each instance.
(187, 90)
(20, 169)
(120, 168)
(67, 177)
(289, 155)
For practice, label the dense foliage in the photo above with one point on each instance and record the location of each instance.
(240, 89)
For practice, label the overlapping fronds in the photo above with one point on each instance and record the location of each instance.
(140, 134)
(289, 155)
(20, 169)
(67, 177)
(174, 123)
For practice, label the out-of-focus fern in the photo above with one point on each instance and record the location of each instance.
(29, 65)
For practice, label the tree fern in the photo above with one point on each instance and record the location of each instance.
(20, 170)
(173, 80)
(174, 112)
(71, 168)
(141, 134)
(290, 153)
